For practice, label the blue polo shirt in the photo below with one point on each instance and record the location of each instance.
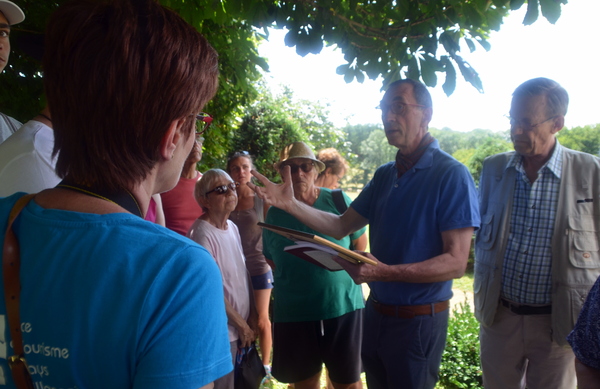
(407, 216)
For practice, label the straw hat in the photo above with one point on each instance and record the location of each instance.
(12, 12)
(298, 150)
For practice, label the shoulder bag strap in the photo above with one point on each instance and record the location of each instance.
(340, 205)
(339, 201)
(11, 264)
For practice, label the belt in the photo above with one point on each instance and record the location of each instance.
(409, 311)
(520, 309)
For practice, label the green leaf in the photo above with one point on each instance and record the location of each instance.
(516, 4)
(429, 66)
(484, 43)
(474, 15)
(450, 83)
(290, 38)
(349, 77)
(413, 69)
(342, 69)
(499, 3)
(470, 44)
(494, 18)
(532, 12)
(450, 41)
(551, 10)
(360, 76)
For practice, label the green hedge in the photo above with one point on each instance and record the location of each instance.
(461, 366)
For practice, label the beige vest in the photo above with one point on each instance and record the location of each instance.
(575, 242)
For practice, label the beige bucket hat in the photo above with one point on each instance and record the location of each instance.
(298, 150)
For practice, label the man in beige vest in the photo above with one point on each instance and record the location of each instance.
(536, 253)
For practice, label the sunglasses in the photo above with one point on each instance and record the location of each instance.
(306, 167)
(204, 119)
(223, 189)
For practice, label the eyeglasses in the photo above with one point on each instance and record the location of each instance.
(222, 189)
(306, 167)
(523, 125)
(397, 107)
(205, 121)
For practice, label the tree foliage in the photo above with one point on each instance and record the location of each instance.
(357, 135)
(273, 122)
(234, 39)
(586, 138)
(491, 146)
(419, 39)
(404, 38)
(375, 151)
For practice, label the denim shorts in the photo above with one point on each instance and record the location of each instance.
(263, 281)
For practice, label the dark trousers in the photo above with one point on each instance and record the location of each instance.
(403, 353)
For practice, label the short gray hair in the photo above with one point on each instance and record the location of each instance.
(207, 182)
(557, 98)
(420, 92)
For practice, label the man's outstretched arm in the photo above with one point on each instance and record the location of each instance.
(282, 197)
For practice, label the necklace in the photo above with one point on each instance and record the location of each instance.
(123, 198)
(45, 117)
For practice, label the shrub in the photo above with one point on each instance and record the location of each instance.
(461, 366)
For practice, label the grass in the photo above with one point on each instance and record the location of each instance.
(465, 283)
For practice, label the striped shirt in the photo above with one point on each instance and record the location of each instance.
(527, 273)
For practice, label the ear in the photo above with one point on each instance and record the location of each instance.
(427, 115)
(328, 170)
(202, 202)
(559, 123)
(172, 138)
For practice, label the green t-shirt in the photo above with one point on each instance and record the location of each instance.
(303, 291)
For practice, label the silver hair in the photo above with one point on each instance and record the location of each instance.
(208, 181)
(557, 98)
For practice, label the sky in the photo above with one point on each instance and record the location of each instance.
(566, 52)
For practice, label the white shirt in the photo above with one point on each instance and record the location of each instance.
(226, 248)
(8, 126)
(26, 163)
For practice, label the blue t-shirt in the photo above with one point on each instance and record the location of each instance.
(113, 301)
(407, 216)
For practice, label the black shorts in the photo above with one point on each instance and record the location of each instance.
(301, 348)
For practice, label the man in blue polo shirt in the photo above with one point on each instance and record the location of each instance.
(422, 210)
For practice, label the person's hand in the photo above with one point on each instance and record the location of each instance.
(278, 195)
(247, 335)
(363, 272)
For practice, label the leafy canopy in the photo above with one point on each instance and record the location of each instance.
(419, 39)
(273, 122)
